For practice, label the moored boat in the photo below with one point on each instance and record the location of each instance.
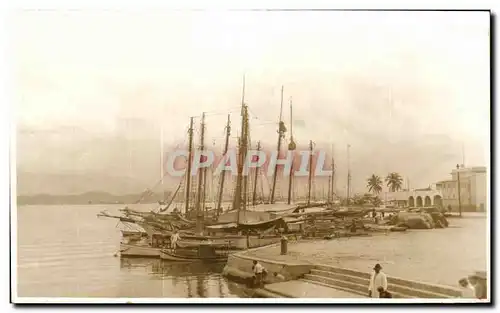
(139, 250)
(142, 245)
(202, 253)
(233, 242)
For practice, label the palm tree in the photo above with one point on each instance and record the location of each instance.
(374, 184)
(394, 181)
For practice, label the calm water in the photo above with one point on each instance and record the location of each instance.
(66, 251)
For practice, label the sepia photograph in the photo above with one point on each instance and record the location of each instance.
(230, 156)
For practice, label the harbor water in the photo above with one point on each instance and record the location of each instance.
(66, 251)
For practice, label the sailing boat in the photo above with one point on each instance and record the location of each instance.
(156, 229)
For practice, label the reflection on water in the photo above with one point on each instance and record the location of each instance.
(65, 251)
(197, 279)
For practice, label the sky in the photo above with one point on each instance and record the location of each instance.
(379, 81)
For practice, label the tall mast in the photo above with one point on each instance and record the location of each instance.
(310, 173)
(254, 196)
(190, 160)
(238, 204)
(291, 147)
(201, 175)
(204, 192)
(329, 189)
(223, 172)
(281, 132)
(348, 174)
(244, 148)
(242, 154)
(332, 190)
(245, 188)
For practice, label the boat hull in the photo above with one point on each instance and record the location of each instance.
(168, 255)
(192, 255)
(128, 250)
(233, 242)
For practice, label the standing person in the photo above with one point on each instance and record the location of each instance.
(478, 282)
(173, 240)
(353, 226)
(467, 291)
(377, 279)
(258, 271)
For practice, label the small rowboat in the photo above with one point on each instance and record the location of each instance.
(204, 252)
(138, 250)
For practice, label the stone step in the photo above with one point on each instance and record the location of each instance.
(417, 293)
(309, 289)
(335, 287)
(264, 293)
(352, 287)
(340, 270)
(432, 288)
(450, 292)
(349, 278)
(405, 290)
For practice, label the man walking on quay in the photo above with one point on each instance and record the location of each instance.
(377, 279)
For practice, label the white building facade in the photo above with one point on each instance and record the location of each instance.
(416, 198)
(473, 192)
(473, 189)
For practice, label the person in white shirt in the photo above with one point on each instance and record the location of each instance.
(377, 279)
(467, 289)
(173, 240)
(258, 271)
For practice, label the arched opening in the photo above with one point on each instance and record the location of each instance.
(438, 201)
(427, 201)
(411, 202)
(419, 202)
